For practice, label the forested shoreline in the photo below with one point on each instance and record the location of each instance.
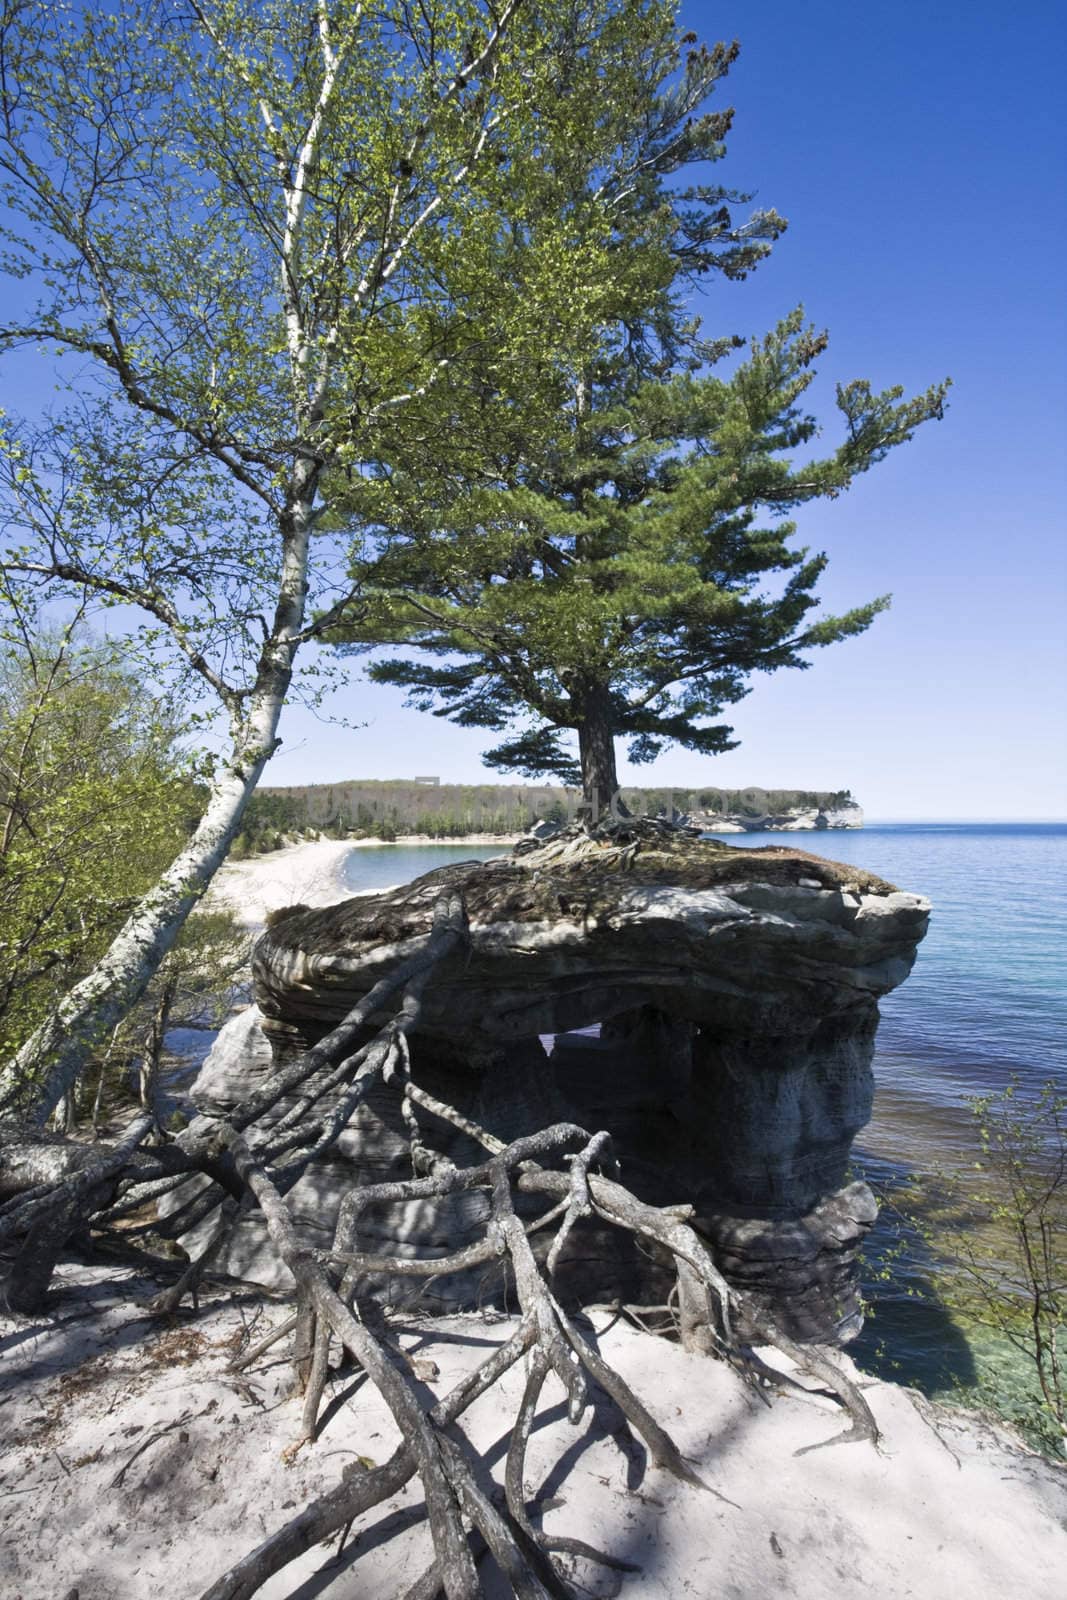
(388, 809)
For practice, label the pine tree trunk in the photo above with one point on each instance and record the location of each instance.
(596, 748)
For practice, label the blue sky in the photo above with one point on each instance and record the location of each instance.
(918, 151)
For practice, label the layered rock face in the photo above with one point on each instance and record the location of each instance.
(812, 820)
(736, 992)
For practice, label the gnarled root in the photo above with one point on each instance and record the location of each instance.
(253, 1162)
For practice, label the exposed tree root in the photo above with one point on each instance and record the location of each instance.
(46, 1221)
(253, 1163)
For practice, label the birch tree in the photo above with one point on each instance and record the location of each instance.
(265, 236)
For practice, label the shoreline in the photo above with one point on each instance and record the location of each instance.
(504, 840)
(310, 873)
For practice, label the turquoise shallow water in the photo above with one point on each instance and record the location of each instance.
(987, 997)
(986, 1002)
(379, 866)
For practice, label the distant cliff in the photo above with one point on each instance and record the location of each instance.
(750, 810)
(789, 819)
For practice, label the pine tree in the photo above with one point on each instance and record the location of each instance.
(623, 582)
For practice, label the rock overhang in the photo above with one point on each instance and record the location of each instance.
(722, 936)
(738, 994)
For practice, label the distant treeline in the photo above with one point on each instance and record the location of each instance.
(387, 808)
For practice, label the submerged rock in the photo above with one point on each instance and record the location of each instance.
(736, 993)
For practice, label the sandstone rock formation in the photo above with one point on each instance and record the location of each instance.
(799, 820)
(736, 993)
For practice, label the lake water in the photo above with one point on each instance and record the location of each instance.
(985, 1003)
(380, 866)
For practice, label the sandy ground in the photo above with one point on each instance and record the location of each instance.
(308, 874)
(136, 1465)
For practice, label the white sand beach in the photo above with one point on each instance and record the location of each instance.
(309, 874)
(137, 1464)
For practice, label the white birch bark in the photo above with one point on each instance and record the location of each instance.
(52, 1058)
